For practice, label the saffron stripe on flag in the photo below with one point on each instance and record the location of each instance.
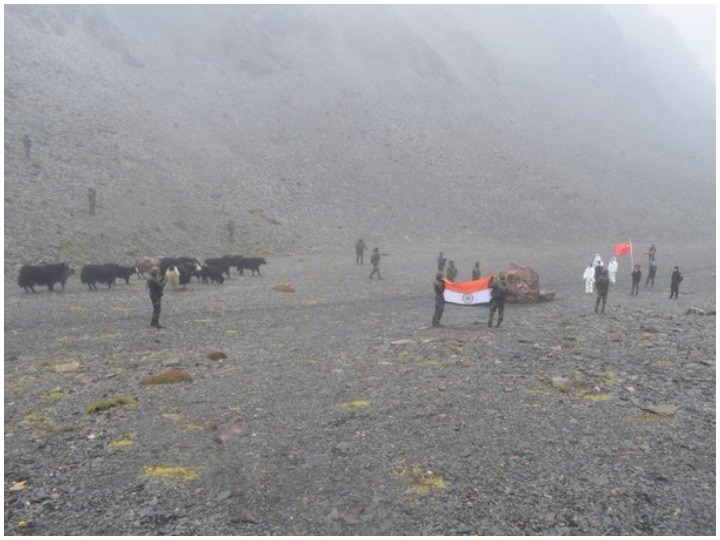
(468, 293)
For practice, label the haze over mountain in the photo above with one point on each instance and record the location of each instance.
(310, 126)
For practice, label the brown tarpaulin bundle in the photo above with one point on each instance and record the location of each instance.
(523, 285)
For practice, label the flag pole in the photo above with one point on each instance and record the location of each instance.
(632, 258)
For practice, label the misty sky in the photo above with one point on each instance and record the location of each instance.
(696, 24)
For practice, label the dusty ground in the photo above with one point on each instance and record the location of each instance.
(339, 411)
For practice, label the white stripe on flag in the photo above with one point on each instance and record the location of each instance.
(467, 299)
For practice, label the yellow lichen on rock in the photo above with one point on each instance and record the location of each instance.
(109, 403)
(170, 376)
(171, 473)
(122, 443)
(422, 481)
(355, 404)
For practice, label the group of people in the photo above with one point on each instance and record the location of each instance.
(360, 249)
(498, 295)
(597, 279)
(596, 275)
(451, 272)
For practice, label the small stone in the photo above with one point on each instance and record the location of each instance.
(216, 354)
(247, 516)
(67, 367)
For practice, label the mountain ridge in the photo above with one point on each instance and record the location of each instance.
(309, 126)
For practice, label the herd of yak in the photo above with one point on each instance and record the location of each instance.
(177, 271)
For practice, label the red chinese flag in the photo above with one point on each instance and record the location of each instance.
(622, 249)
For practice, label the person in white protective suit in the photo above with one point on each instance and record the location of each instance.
(612, 269)
(597, 261)
(589, 277)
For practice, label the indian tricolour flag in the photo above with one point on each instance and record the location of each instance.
(468, 293)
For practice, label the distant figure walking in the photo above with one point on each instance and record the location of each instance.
(636, 275)
(498, 294)
(652, 250)
(91, 200)
(652, 270)
(602, 284)
(27, 143)
(612, 269)
(589, 277)
(360, 249)
(375, 261)
(452, 271)
(476, 271)
(675, 281)
(441, 263)
(439, 286)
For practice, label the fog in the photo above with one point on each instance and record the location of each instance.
(696, 25)
(312, 125)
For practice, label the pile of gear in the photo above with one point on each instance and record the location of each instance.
(523, 285)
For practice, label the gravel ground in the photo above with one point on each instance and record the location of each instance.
(338, 410)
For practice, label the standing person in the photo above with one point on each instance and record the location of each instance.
(452, 272)
(612, 269)
(360, 248)
(589, 277)
(599, 268)
(439, 286)
(597, 261)
(636, 275)
(231, 230)
(652, 270)
(155, 287)
(675, 281)
(27, 143)
(441, 262)
(91, 200)
(375, 261)
(602, 283)
(498, 293)
(476, 271)
(652, 250)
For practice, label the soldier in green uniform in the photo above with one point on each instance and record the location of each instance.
(439, 299)
(91, 200)
(675, 281)
(602, 285)
(452, 271)
(155, 288)
(441, 262)
(375, 260)
(476, 271)
(652, 270)
(498, 293)
(360, 248)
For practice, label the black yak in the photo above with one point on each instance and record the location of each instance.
(44, 274)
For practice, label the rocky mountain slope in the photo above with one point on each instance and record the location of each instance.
(309, 126)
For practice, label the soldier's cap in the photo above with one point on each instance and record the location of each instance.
(154, 271)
